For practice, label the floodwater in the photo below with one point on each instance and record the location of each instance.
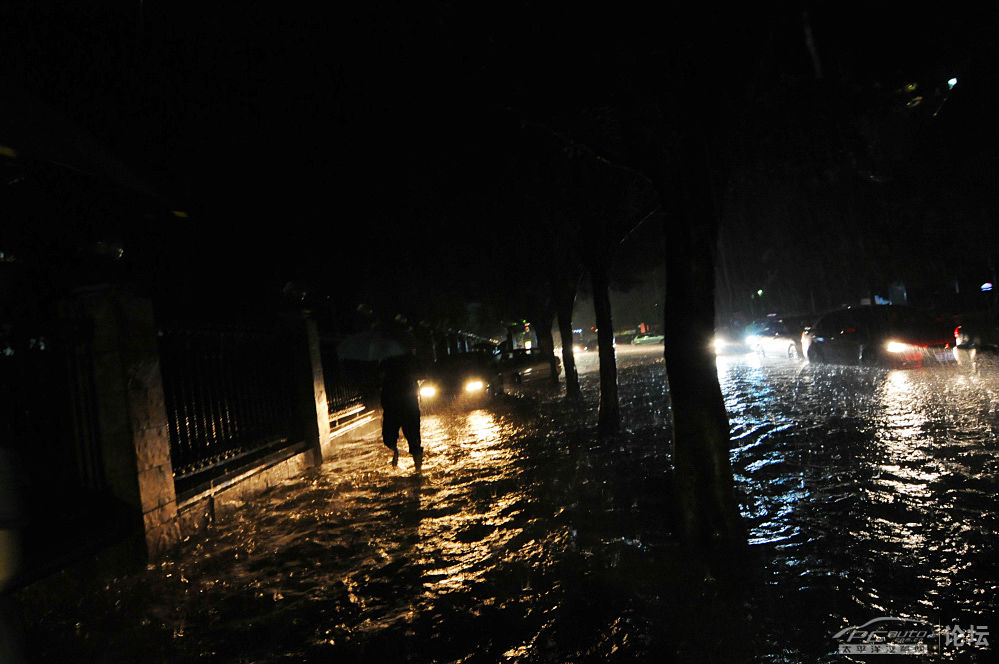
(865, 493)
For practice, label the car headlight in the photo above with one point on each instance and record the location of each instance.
(427, 390)
(719, 343)
(898, 347)
(474, 386)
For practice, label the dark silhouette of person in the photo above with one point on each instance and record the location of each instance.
(401, 406)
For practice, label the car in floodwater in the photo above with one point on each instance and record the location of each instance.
(526, 365)
(729, 340)
(648, 339)
(892, 336)
(777, 337)
(461, 380)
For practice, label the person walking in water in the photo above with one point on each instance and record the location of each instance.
(401, 406)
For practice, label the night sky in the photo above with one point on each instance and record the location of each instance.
(366, 148)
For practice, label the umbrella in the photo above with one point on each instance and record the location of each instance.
(378, 343)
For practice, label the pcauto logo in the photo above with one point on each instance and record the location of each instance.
(888, 635)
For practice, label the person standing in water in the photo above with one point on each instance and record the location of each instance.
(401, 406)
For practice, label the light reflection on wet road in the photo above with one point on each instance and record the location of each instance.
(526, 540)
(873, 493)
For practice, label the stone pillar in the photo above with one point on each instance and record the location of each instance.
(131, 414)
(313, 407)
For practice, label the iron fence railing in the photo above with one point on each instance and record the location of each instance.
(48, 409)
(346, 386)
(228, 396)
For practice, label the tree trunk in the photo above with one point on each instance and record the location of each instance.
(707, 512)
(564, 302)
(543, 325)
(609, 420)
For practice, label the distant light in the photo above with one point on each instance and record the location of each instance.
(474, 386)
(951, 83)
(986, 287)
(527, 345)
(180, 214)
(579, 331)
(759, 292)
(428, 391)
(8, 152)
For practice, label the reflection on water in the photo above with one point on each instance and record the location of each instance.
(526, 539)
(904, 453)
(870, 493)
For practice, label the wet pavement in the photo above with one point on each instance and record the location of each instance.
(865, 493)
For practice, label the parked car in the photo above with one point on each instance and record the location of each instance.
(462, 380)
(777, 337)
(526, 365)
(891, 336)
(648, 339)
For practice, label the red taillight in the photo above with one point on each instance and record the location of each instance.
(957, 331)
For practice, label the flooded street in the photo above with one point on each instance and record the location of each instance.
(865, 493)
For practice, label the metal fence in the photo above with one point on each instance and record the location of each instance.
(228, 398)
(52, 466)
(48, 410)
(347, 384)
